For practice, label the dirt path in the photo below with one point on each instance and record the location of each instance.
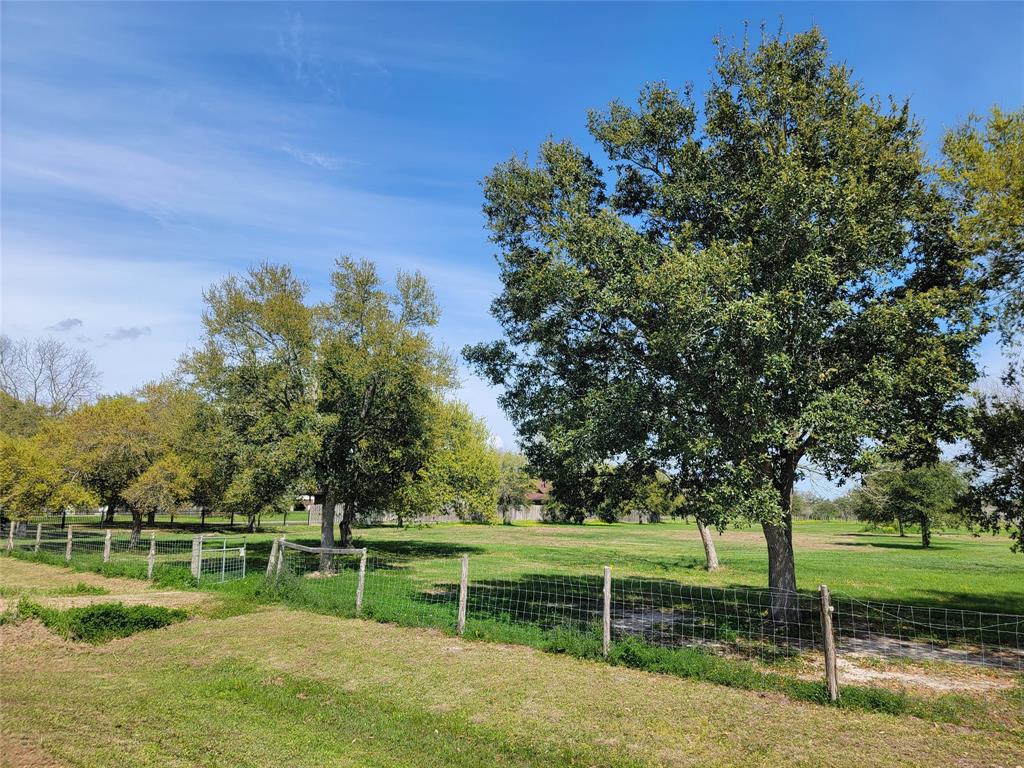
(55, 587)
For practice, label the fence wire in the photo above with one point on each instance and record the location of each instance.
(220, 559)
(753, 624)
(417, 590)
(928, 633)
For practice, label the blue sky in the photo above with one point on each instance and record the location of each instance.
(149, 149)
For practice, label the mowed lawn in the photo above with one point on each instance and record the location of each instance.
(280, 687)
(959, 570)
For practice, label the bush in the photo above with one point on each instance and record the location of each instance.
(101, 622)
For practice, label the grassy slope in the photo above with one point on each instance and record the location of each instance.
(286, 688)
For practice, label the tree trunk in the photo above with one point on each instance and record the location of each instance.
(899, 522)
(250, 526)
(108, 516)
(136, 536)
(781, 565)
(327, 529)
(781, 571)
(709, 546)
(151, 517)
(348, 511)
(926, 533)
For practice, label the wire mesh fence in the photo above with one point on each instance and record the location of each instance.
(740, 623)
(395, 588)
(119, 553)
(221, 559)
(929, 633)
(747, 623)
(428, 590)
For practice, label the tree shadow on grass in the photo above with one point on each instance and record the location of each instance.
(415, 548)
(1010, 604)
(907, 544)
(661, 612)
(383, 555)
(737, 620)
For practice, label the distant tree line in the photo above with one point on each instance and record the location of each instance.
(350, 398)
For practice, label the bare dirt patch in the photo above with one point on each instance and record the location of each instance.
(28, 632)
(918, 678)
(882, 646)
(21, 578)
(19, 751)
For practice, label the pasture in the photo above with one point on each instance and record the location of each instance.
(274, 686)
(290, 657)
(959, 570)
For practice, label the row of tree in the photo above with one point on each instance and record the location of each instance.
(349, 397)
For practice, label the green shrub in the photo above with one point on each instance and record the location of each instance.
(101, 622)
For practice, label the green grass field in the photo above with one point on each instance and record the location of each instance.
(959, 570)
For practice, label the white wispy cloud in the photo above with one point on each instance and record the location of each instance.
(315, 159)
(166, 180)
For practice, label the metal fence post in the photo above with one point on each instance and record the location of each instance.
(242, 554)
(151, 560)
(67, 550)
(463, 594)
(106, 547)
(831, 666)
(362, 581)
(39, 536)
(606, 635)
(273, 557)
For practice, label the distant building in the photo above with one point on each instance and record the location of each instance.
(536, 502)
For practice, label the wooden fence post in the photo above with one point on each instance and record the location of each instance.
(67, 550)
(273, 557)
(197, 556)
(39, 536)
(10, 536)
(831, 667)
(280, 557)
(106, 547)
(362, 582)
(151, 560)
(463, 594)
(606, 639)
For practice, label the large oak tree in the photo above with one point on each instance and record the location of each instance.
(760, 281)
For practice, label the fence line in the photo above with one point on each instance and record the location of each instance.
(732, 622)
(445, 592)
(205, 558)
